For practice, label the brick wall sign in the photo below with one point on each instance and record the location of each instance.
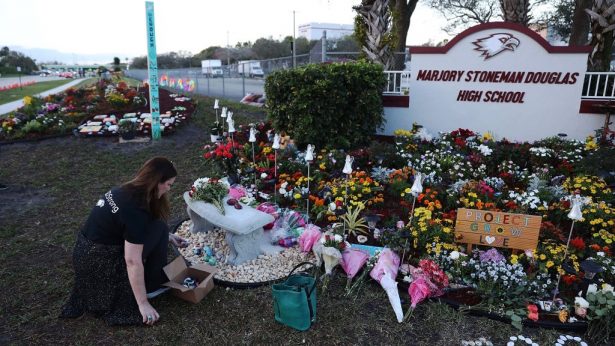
(502, 78)
(497, 229)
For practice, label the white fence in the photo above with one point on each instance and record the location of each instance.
(599, 85)
(398, 83)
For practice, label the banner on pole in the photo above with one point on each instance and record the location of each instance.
(152, 68)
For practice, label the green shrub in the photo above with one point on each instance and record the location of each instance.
(335, 105)
(32, 126)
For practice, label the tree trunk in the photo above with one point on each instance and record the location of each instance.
(377, 20)
(602, 24)
(402, 11)
(600, 59)
(516, 11)
(580, 23)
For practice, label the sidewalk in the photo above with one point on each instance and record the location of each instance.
(11, 106)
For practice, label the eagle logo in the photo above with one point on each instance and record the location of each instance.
(495, 44)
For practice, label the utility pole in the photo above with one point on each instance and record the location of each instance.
(294, 44)
(228, 58)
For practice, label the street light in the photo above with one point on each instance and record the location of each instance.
(294, 44)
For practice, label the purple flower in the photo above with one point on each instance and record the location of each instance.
(491, 255)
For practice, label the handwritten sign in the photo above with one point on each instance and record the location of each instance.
(497, 229)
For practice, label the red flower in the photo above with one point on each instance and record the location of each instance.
(569, 279)
(511, 205)
(578, 243)
(532, 312)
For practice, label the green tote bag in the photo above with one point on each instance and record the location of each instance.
(294, 300)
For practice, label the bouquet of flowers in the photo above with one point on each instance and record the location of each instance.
(224, 155)
(210, 190)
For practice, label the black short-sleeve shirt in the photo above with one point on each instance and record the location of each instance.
(117, 217)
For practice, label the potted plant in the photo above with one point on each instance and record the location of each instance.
(127, 129)
(215, 131)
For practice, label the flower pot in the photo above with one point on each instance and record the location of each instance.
(214, 138)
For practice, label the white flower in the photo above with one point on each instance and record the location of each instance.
(263, 175)
(593, 288)
(607, 288)
(332, 206)
(601, 254)
(485, 150)
(454, 255)
(581, 302)
(338, 238)
(322, 239)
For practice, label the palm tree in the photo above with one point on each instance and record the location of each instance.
(376, 18)
(516, 11)
(602, 24)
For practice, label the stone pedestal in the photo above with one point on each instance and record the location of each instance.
(244, 228)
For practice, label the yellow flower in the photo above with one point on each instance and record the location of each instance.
(550, 264)
(543, 257)
(514, 259)
(27, 100)
(297, 196)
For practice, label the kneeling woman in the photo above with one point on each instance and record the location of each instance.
(122, 248)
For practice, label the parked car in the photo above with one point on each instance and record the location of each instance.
(45, 73)
(67, 74)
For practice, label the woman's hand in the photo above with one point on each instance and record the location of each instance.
(150, 315)
(178, 241)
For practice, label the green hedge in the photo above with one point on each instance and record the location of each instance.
(337, 105)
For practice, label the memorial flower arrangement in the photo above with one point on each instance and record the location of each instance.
(210, 190)
(464, 169)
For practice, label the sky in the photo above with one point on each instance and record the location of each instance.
(117, 27)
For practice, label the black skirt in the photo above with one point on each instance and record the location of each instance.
(101, 284)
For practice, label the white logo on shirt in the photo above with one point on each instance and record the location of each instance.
(109, 197)
(101, 203)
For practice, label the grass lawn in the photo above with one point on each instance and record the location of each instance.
(30, 90)
(53, 184)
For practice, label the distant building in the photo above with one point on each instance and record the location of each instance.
(549, 34)
(313, 31)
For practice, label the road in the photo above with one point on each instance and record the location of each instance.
(11, 106)
(12, 80)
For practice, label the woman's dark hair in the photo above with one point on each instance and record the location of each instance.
(144, 186)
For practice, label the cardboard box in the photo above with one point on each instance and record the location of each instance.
(177, 271)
